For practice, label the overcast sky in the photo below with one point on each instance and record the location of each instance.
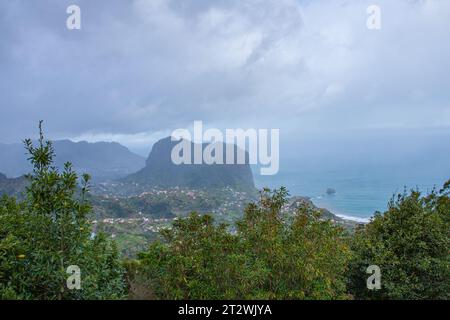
(139, 69)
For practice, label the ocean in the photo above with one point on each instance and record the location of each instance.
(359, 192)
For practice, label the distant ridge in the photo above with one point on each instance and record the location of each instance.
(161, 172)
(12, 187)
(103, 160)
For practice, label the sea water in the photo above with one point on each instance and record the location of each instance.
(360, 192)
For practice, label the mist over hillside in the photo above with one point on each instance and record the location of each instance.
(103, 160)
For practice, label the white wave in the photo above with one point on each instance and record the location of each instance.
(352, 218)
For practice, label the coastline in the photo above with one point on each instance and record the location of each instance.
(352, 218)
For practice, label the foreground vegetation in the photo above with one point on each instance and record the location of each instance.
(410, 243)
(267, 254)
(270, 256)
(47, 232)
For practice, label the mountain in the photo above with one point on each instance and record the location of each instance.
(12, 187)
(103, 160)
(161, 172)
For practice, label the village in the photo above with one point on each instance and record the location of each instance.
(136, 219)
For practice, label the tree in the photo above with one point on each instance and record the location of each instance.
(268, 255)
(41, 236)
(410, 244)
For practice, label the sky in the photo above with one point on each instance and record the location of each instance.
(139, 69)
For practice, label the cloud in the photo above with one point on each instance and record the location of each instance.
(138, 68)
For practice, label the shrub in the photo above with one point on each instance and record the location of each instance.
(48, 231)
(268, 255)
(410, 244)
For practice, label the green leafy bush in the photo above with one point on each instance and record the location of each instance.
(268, 256)
(41, 236)
(410, 244)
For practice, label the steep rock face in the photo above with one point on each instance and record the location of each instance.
(161, 172)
